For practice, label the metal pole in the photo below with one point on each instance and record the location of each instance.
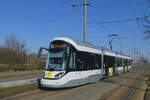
(85, 21)
(85, 4)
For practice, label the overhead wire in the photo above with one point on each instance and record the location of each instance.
(137, 21)
(69, 4)
(104, 30)
(101, 24)
(140, 24)
(123, 20)
(75, 8)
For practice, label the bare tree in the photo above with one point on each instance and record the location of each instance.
(17, 46)
(14, 55)
(12, 43)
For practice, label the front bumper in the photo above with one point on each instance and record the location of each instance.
(51, 83)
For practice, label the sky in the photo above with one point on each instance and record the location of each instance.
(37, 22)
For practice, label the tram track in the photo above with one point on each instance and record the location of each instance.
(132, 89)
(40, 94)
(133, 93)
(34, 95)
(124, 86)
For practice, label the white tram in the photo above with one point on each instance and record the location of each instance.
(72, 63)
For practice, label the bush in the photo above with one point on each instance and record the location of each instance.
(21, 67)
(4, 67)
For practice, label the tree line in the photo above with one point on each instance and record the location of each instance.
(15, 56)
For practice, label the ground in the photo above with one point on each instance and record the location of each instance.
(127, 86)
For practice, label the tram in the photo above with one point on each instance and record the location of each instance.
(73, 63)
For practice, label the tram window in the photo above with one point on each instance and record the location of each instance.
(116, 60)
(122, 62)
(91, 61)
(98, 62)
(109, 61)
(80, 60)
(119, 62)
(87, 61)
(72, 61)
(126, 62)
(112, 61)
(105, 61)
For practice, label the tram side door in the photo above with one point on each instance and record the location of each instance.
(77, 64)
(106, 67)
(79, 72)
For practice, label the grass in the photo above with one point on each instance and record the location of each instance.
(147, 94)
(19, 74)
(148, 81)
(3, 67)
(4, 92)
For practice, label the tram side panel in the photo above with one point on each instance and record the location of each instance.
(119, 66)
(129, 64)
(89, 65)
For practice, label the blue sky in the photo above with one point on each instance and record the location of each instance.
(38, 21)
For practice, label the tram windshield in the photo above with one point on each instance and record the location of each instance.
(56, 59)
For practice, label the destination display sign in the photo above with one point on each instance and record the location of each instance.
(58, 45)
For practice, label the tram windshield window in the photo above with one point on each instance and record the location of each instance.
(56, 59)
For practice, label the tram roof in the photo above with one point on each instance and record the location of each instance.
(89, 47)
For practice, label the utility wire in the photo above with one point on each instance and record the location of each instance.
(69, 4)
(140, 31)
(75, 8)
(137, 21)
(123, 20)
(107, 32)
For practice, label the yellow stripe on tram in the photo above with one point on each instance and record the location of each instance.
(110, 71)
(48, 75)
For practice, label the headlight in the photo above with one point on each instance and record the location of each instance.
(59, 75)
